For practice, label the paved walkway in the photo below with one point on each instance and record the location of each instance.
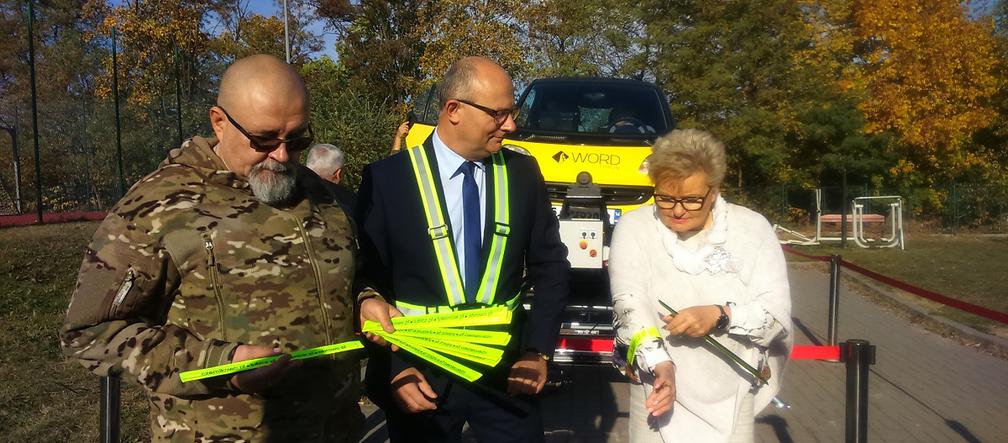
(923, 387)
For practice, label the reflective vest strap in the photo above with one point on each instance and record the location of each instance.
(637, 339)
(413, 309)
(501, 231)
(436, 226)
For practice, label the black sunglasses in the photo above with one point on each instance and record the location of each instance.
(499, 115)
(687, 203)
(299, 142)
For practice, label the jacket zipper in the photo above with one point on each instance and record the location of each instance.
(124, 289)
(215, 283)
(318, 277)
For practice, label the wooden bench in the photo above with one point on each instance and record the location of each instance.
(867, 218)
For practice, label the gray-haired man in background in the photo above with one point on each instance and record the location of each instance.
(327, 161)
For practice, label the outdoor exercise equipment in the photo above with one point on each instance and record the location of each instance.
(858, 219)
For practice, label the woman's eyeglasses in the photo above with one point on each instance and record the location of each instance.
(687, 203)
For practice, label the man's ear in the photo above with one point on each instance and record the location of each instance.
(452, 110)
(217, 119)
(337, 175)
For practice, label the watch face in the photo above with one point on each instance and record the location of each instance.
(722, 322)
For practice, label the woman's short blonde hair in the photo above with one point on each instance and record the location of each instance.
(684, 152)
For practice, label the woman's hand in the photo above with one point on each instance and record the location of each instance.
(661, 398)
(696, 321)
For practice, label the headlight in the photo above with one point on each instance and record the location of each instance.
(518, 149)
(643, 168)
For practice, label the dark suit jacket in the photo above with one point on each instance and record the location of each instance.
(343, 195)
(397, 259)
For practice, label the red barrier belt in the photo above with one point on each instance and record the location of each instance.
(934, 296)
(585, 344)
(997, 316)
(794, 251)
(831, 353)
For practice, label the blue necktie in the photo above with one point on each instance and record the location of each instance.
(472, 234)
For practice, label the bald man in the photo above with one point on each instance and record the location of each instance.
(486, 210)
(230, 250)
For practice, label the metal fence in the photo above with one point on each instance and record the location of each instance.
(956, 207)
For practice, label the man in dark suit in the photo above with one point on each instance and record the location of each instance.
(486, 227)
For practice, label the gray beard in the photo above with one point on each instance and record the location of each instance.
(272, 182)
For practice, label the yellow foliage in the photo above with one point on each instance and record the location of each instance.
(927, 70)
(452, 29)
(148, 33)
(827, 25)
(258, 35)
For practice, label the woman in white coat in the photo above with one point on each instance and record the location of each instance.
(720, 266)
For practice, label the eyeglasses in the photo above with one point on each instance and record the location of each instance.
(687, 203)
(499, 115)
(300, 141)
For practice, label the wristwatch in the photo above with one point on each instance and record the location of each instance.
(722, 321)
(541, 355)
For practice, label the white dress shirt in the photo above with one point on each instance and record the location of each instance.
(451, 181)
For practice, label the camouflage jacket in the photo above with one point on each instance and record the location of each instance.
(187, 266)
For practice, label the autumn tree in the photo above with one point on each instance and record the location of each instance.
(68, 66)
(730, 68)
(248, 33)
(451, 29)
(983, 187)
(360, 124)
(377, 46)
(928, 72)
(587, 38)
(149, 33)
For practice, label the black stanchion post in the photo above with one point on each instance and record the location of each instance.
(109, 410)
(858, 356)
(834, 299)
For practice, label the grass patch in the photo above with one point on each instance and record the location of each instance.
(44, 397)
(965, 267)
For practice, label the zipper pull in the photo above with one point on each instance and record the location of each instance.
(127, 284)
(209, 247)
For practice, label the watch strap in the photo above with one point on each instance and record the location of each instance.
(722, 321)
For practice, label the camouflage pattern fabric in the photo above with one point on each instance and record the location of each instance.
(187, 266)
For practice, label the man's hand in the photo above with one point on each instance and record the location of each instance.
(260, 379)
(661, 397)
(412, 393)
(528, 375)
(375, 309)
(696, 321)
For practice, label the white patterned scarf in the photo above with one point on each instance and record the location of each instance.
(711, 256)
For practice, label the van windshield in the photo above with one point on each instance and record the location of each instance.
(593, 108)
